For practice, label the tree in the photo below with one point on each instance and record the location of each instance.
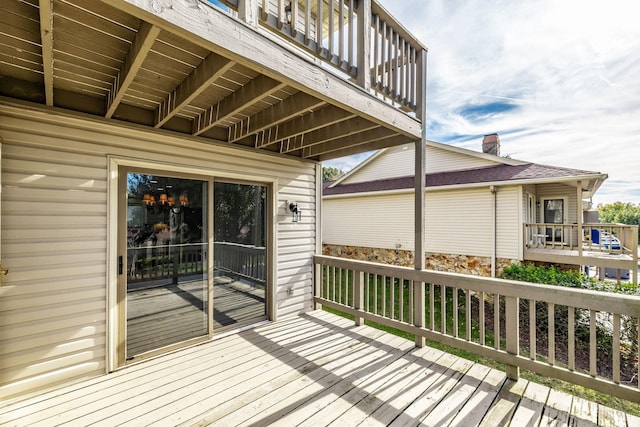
(330, 174)
(622, 213)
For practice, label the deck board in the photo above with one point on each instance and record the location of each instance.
(310, 370)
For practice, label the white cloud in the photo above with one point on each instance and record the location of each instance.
(571, 67)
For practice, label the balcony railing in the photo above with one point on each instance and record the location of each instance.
(585, 337)
(246, 261)
(358, 38)
(607, 238)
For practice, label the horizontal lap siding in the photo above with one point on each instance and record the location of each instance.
(458, 222)
(54, 236)
(509, 224)
(392, 163)
(384, 221)
(441, 160)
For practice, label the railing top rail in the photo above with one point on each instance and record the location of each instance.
(239, 245)
(176, 245)
(377, 9)
(580, 298)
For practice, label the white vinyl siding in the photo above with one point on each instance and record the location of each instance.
(384, 221)
(441, 160)
(54, 236)
(394, 162)
(400, 161)
(509, 224)
(459, 222)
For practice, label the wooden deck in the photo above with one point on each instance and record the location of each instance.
(315, 369)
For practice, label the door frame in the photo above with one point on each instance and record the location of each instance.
(565, 212)
(113, 306)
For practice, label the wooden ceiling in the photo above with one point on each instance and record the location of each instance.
(93, 57)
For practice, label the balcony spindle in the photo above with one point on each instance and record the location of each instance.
(392, 302)
(332, 28)
(467, 305)
(571, 338)
(319, 29)
(593, 345)
(341, 32)
(532, 330)
(443, 309)
(496, 321)
(455, 311)
(481, 319)
(432, 311)
(307, 22)
(551, 356)
(401, 302)
(351, 43)
(375, 293)
(358, 295)
(616, 348)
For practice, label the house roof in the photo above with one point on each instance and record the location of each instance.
(500, 174)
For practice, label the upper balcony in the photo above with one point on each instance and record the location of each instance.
(307, 79)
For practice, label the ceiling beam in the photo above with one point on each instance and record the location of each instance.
(46, 39)
(362, 138)
(392, 141)
(288, 108)
(208, 71)
(342, 130)
(251, 93)
(303, 124)
(140, 47)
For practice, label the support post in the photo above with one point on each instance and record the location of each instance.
(364, 42)
(248, 11)
(580, 214)
(512, 326)
(420, 187)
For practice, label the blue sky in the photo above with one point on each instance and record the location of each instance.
(558, 80)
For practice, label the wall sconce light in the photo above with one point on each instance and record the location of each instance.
(296, 213)
(538, 204)
(287, 13)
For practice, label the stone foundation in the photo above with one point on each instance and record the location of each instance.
(478, 266)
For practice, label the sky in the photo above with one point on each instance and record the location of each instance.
(558, 80)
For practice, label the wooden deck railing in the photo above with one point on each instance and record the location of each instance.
(245, 261)
(357, 37)
(148, 263)
(591, 237)
(585, 337)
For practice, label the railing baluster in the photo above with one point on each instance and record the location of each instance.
(571, 338)
(351, 42)
(411, 310)
(616, 348)
(319, 29)
(333, 284)
(592, 344)
(375, 293)
(339, 285)
(332, 28)
(455, 311)
(481, 319)
(532, 330)
(307, 22)
(496, 321)
(390, 68)
(392, 301)
(443, 309)
(551, 356)
(376, 54)
(341, 31)
(432, 304)
(467, 305)
(401, 302)
(367, 292)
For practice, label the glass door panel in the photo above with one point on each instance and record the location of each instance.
(166, 262)
(240, 255)
(554, 214)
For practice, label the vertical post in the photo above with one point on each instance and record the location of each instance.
(248, 11)
(317, 280)
(358, 295)
(512, 326)
(580, 213)
(364, 44)
(420, 187)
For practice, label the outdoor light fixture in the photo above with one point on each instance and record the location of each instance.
(296, 213)
(287, 13)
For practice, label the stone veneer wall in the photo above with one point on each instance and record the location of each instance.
(479, 266)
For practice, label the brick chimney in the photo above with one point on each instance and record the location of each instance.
(491, 144)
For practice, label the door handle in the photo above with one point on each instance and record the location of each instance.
(3, 272)
(120, 265)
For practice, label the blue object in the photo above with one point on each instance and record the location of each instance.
(595, 236)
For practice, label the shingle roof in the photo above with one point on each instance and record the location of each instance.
(500, 173)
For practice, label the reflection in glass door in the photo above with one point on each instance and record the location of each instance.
(240, 255)
(166, 262)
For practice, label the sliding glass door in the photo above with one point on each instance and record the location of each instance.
(240, 255)
(192, 259)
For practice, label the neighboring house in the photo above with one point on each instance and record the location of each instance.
(161, 171)
(482, 211)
